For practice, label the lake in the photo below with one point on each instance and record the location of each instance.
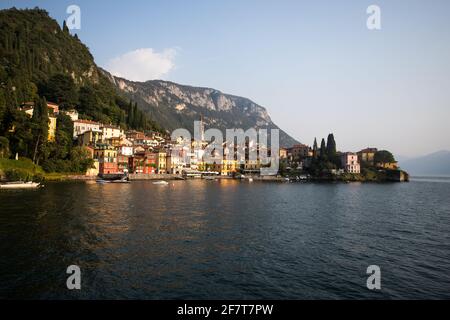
(226, 239)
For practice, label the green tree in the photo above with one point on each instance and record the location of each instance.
(331, 146)
(65, 28)
(40, 128)
(81, 160)
(383, 156)
(323, 150)
(64, 134)
(89, 103)
(61, 89)
(331, 149)
(315, 150)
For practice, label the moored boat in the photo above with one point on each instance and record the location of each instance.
(161, 182)
(20, 185)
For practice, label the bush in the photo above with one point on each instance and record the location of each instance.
(22, 169)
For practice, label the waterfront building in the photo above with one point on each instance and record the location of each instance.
(122, 163)
(350, 162)
(144, 162)
(367, 156)
(387, 165)
(162, 161)
(107, 158)
(81, 126)
(229, 167)
(299, 152)
(177, 160)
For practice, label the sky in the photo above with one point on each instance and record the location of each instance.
(314, 65)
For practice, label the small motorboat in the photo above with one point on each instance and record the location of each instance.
(101, 181)
(20, 185)
(120, 181)
(250, 179)
(161, 182)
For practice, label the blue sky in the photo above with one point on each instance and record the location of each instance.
(313, 64)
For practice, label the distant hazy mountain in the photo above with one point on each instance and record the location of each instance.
(437, 163)
(177, 106)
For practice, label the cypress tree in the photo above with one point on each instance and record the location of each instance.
(65, 28)
(315, 154)
(331, 147)
(40, 126)
(323, 149)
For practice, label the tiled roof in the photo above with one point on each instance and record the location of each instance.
(87, 121)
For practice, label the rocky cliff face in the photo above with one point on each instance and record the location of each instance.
(178, 106)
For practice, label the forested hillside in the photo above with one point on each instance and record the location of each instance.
(41, 61)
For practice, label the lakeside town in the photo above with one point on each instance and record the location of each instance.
(143, 155)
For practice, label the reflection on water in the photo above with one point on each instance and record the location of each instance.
(226, 239)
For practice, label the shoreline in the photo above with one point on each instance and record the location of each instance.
(176, 177)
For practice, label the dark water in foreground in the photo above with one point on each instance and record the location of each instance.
(227, 239)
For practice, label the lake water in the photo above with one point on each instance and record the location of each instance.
(227, 240)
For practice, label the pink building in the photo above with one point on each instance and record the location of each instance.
(350, 162)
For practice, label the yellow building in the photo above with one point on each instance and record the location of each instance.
(28, 108)
(367, 156)
(252, 165)
(105, 153)
(90, 138)
(51, 128)
(388, 165)
(228, 167)
(162, 162)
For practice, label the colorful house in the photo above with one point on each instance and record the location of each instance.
(366, 156)
(81, 126)
(350, 162)
(107, 158)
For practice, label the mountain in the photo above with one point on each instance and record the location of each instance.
(178, 106)
(39, 58)
(437, 163)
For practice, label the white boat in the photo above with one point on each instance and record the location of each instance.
(20, 185)
(161, 182)
(103, 181)
(209, 178)
(120, 181)
(250, 179)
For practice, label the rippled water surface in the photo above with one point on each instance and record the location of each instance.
(226, 239)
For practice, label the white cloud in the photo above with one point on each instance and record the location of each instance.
(142, 64)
